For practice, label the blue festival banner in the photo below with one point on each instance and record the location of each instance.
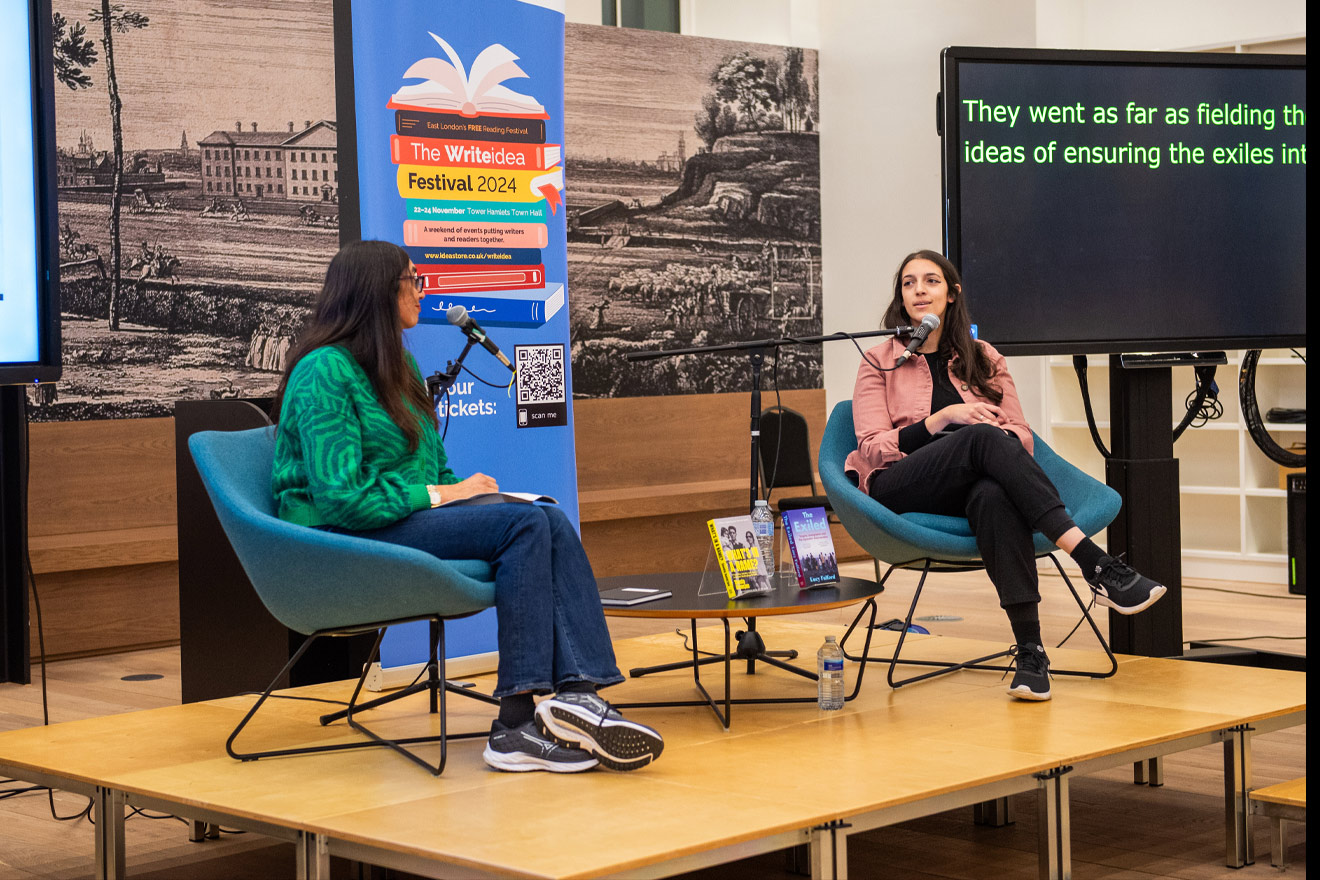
(451, 125)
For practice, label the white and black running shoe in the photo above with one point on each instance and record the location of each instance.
(1031, 676)
(522, 748)
(588, 722)
(1121, 587)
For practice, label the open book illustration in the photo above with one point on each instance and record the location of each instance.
(447, 88)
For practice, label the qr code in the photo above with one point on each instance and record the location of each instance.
(540, 373)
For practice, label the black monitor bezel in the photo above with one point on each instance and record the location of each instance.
(947, 127)
(49, 365)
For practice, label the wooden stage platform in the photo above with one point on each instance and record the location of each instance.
(784, 775)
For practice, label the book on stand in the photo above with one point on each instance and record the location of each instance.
(812, 548)
(739, 557)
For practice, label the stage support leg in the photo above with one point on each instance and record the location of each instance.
(1055, 831)
(199, 831)
(1149, 772)
(829, 851)
(1278, 844)
(1237, 808)
(313, 856)
(108, 809)
(996, 813)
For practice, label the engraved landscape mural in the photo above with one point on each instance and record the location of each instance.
(198, 184)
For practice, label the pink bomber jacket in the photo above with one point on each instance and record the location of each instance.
(883, 403)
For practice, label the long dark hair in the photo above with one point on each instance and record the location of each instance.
(969, 363)
(358, 308)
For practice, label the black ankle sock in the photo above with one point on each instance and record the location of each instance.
(578, 687)
(1087, 555)
(1024, 617)
(516, 709)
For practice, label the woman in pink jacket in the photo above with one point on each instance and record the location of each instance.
(944, 433)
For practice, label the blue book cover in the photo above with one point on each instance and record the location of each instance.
(498, 308)
(809, 541)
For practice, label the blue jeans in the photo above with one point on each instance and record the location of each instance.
(547, 606)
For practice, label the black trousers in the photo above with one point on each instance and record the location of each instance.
(984, 474)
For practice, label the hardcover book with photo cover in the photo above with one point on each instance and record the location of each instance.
(809, 541)
(739, 556)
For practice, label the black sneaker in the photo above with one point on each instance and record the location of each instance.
(588, 722)
(1031, 680)
(1122, 588)
(522, 748)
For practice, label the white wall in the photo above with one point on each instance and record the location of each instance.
(880, 154)
(1164, 24)
(582, 11)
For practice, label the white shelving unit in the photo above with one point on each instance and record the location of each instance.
(1234, 519)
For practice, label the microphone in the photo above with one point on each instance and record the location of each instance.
(459, 317)
(929, 324)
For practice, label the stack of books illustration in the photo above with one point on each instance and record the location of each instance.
(479, 184)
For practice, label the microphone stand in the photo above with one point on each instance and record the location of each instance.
(756, 350)
(751, 647)
(439, 383)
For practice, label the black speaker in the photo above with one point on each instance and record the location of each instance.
(1297, 533)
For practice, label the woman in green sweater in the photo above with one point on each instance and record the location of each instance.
(357, 451)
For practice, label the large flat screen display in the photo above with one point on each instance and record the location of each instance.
(29, 310)
(1127, 201)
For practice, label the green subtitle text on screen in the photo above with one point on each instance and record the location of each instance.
(1161, 135)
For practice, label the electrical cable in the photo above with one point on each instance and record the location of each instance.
(1246, 639)
(1245, 593)
(41, 640)
(1079, 367)
(679, 632)
(1251, 415)
(484, 382)
(1197, 410)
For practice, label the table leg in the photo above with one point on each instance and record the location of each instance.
(726, 717)
(829, 851)
(1055, 825)
(313, 851)
(1237, 784)
(994, 814)
(1278, 846)
(108, 810)
(1149, 772)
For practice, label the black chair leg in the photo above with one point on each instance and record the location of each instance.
(435, 684)
(981, 663)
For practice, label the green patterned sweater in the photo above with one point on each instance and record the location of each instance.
(339, 458)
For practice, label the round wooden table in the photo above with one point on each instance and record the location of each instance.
(688, 603)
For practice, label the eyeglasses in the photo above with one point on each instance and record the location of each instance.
(418, 281)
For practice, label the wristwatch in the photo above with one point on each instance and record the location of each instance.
(434, 492)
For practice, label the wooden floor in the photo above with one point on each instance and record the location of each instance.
(1119, 830)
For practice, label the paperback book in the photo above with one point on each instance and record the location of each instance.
(811, 546)
(739, 557)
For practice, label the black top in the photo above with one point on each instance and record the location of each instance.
(942, 394)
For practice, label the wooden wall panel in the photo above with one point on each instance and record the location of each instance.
(101, 476)
(687, 439)
(104, 610)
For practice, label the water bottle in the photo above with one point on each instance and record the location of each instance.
(829, 668)
(763, 523)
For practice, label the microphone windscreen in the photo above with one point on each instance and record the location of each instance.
(456, 315)
(931, 321)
